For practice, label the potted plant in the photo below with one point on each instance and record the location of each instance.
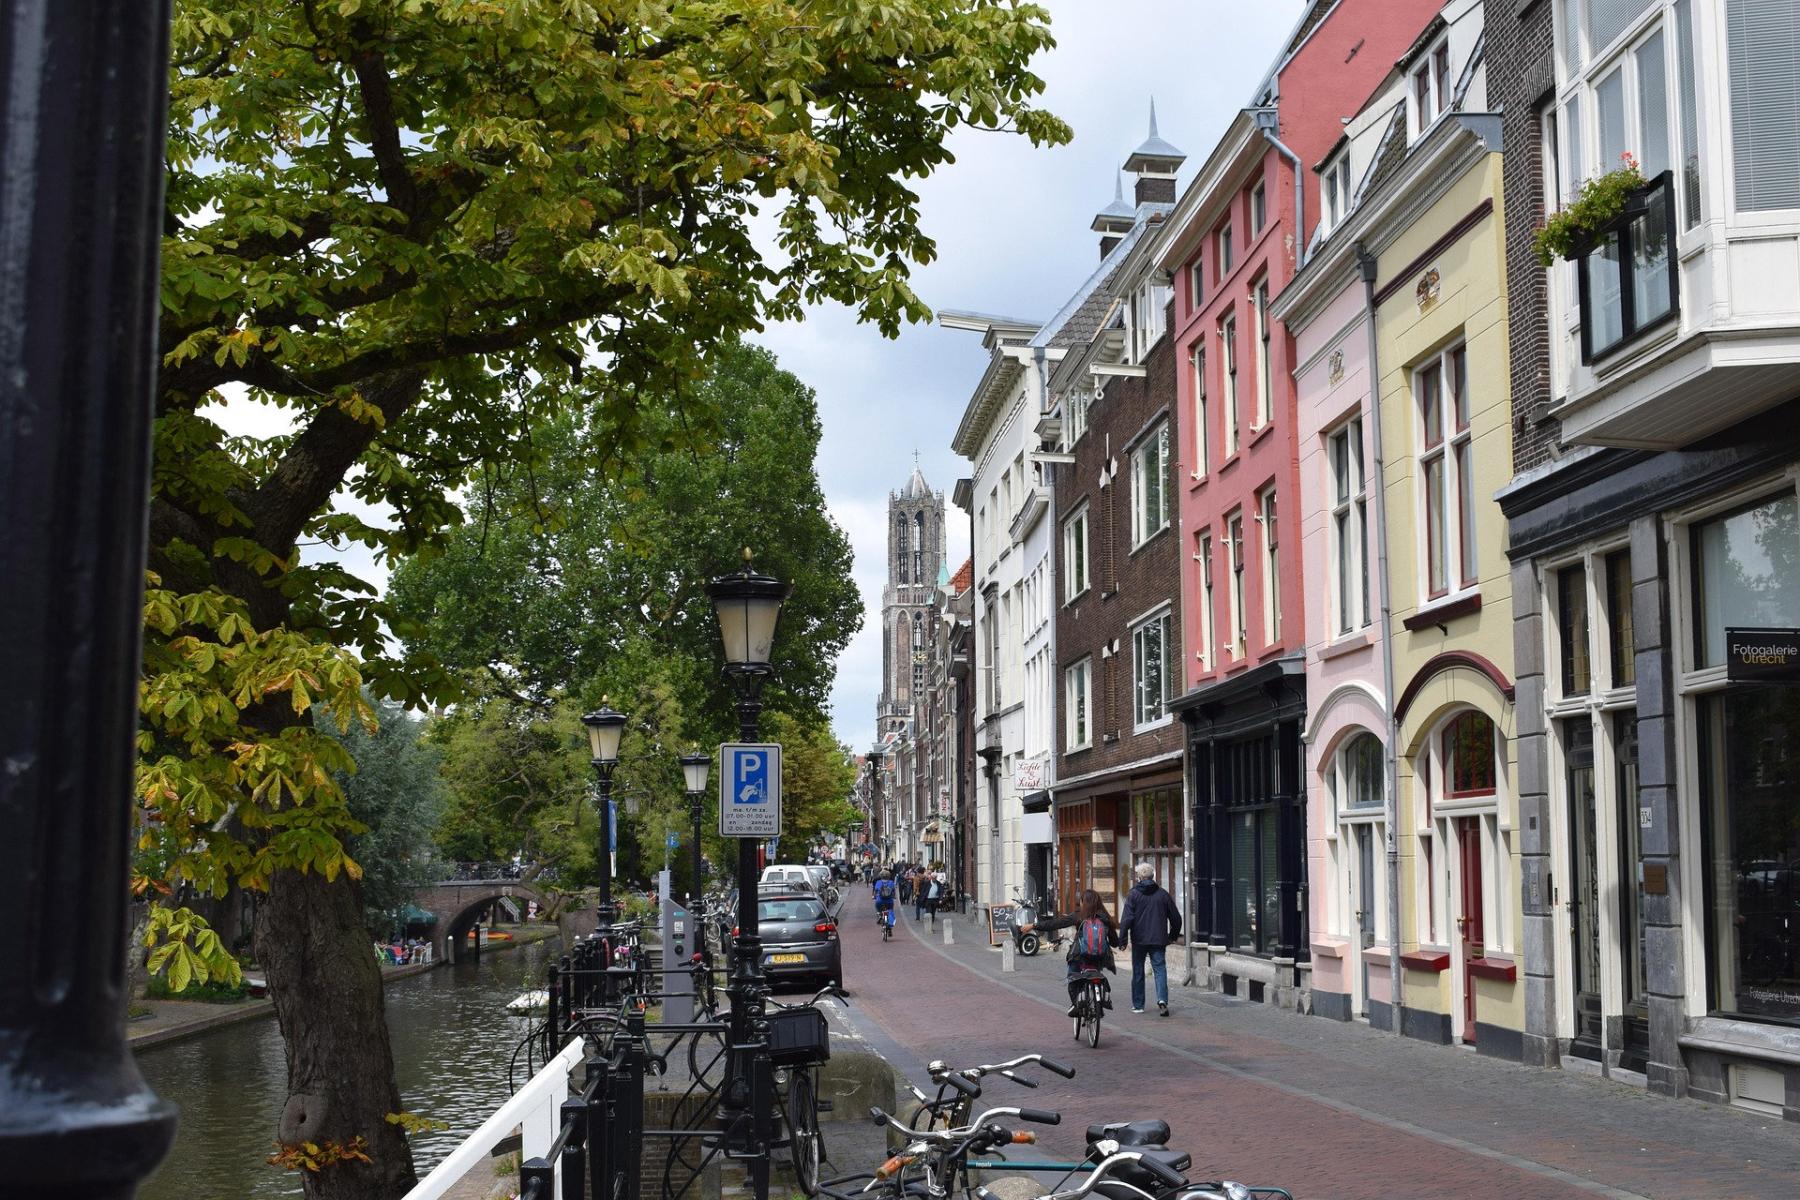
(1569, 232)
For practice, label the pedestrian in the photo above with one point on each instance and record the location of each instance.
(934, 893)
(1088, 907)
(1149, 923)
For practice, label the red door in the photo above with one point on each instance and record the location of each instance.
(1468, 840)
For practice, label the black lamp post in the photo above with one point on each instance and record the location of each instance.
(877, 823)
(748, 604)
(604, 728)
(694, 769)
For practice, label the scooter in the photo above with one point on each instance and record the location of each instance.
(1026, 912)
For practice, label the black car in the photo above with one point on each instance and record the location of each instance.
(799, 938)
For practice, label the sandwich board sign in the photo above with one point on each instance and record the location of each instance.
(750, 790)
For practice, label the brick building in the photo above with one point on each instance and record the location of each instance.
(1118, 582)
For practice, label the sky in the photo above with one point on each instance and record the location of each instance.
(1011, 224)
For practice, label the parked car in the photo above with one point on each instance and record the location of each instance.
(788, 875)
(821, 877)
(799, 938)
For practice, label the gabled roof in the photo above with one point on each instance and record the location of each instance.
(964, 579)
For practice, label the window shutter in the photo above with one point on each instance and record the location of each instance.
(1765, 101)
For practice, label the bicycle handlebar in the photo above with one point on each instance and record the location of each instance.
(1042, 1116)
(961, 1083)
(1166, 1174)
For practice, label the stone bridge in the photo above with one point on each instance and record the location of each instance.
(457, 903)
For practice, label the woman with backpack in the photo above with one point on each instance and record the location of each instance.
(1096, 936)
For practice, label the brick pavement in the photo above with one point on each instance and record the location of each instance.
(1323, 1108)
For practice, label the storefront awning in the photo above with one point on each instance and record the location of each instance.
(1037, 801)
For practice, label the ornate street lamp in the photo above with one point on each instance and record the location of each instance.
(694, 770)
(748, 605)
(605, 728)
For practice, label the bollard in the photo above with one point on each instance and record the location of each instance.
(949, 940)
(1008, 959)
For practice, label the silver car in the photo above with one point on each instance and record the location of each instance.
(799, 938)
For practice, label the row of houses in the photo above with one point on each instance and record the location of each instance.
(1372, 579)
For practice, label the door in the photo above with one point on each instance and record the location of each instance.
(1468, 841)
(1584, 894)
(1365, 908)
(1636, 1048)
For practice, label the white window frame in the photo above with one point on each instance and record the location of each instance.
(1078, 696)
(1259, 209)
(1268, 518)
(1203, 557)
(1343, 859)
(1334, 187)
(1228, 373)
(1434, 69)
(1439, 867)
(1147, 521)
(1080, 399)
(1202, 457)
(1235, 566)
(1348, 529)
(1145, 714)
(1076, 566)
(1434, 382)
(1223, 252)
(1265, 380)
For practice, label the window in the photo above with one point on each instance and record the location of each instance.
(1354, 780)
(1259, 207)
(1201, 459)
(1246, 775)
(1078, 683)
(1148, 304)
(918, 571)
(1469, 755)
(1265, 398)
(1204, 555)
(1335, 186)
(1349, 528)
(1078, 403)
(1150, 486)
(901, 530)
(1429, 94)
(1224, 254)
(1075, 554)
(1447, 471)
(1572, 629)
(1271, 570)
(1627, 281)
(1234, 549)
(1621, 646)
(1228, 345)
(1196, 284)
(1747, 573)
(918, 657)
(1457, 786)
(1150, 659)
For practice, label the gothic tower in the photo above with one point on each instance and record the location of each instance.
(915, 559)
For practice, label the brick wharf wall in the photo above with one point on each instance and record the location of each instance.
(1521, 77)
(1123, 585)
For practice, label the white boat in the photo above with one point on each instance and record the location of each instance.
(529, 1002)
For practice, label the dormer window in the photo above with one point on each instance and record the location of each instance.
(1429, 93)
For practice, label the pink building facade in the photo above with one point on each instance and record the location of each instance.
(1235, 239)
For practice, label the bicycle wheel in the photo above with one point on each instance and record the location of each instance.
(1080, 1016)
(806, 1145)
(1095, 1006)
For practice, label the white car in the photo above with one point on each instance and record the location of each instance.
(788, 876)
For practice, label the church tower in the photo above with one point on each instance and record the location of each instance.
(915, 560)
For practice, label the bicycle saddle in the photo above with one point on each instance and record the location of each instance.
(1131, 1133)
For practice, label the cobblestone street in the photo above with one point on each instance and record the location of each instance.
(1321, 1108)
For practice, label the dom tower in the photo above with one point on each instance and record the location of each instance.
(915, 558)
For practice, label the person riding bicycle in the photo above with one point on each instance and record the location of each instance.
(884, 898)
(1092, 947)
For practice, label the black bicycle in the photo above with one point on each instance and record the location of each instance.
(1093, 997)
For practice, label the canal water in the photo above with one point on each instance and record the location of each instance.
(452, 1040)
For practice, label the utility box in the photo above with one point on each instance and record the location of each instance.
(679, 947)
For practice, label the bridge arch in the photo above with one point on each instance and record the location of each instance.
(457, 902)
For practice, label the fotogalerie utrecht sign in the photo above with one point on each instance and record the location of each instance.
(1762, 655)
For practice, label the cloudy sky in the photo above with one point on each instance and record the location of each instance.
(1011, 224)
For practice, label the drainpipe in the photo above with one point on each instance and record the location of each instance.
(1390, 751)
(1268, 121)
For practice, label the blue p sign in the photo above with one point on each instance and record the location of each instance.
(752, 778)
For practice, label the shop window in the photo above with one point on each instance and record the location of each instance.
(1747, 573)
(1156, 836)
(1621, 646)
(1249, 774)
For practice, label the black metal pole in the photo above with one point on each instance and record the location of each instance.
(744, 1106)
(81, 136)
(608, 912)
(694, 889)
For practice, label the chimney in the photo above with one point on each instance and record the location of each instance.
(1155, 163)
(1114, 221)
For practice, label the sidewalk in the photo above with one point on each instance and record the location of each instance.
(1322, 1107)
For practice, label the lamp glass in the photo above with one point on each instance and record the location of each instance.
(605, 727)
(747, 624)
(695, 768)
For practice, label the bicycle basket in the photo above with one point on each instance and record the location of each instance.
(798, 1037)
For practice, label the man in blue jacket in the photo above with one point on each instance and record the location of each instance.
(1149, 923)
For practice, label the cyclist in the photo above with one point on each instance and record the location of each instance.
(884, 903)
(1093, 945)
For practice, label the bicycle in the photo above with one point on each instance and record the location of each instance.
(932, 1160)
(799, 1044)
(958, 1089)
(1092, 999)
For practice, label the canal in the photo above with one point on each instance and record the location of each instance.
(452, 1038)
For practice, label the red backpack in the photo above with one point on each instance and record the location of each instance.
(1090, 939)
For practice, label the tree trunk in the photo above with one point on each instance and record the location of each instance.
(326, 986)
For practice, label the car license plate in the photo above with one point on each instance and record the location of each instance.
(787, 958)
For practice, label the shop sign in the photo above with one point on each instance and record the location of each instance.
(1028, 774)
(1762, 655)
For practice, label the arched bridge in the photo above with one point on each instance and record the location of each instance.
(457, 903)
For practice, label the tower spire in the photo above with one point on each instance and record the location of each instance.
(1153, 115)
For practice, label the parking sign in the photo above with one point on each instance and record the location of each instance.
(749, 790)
